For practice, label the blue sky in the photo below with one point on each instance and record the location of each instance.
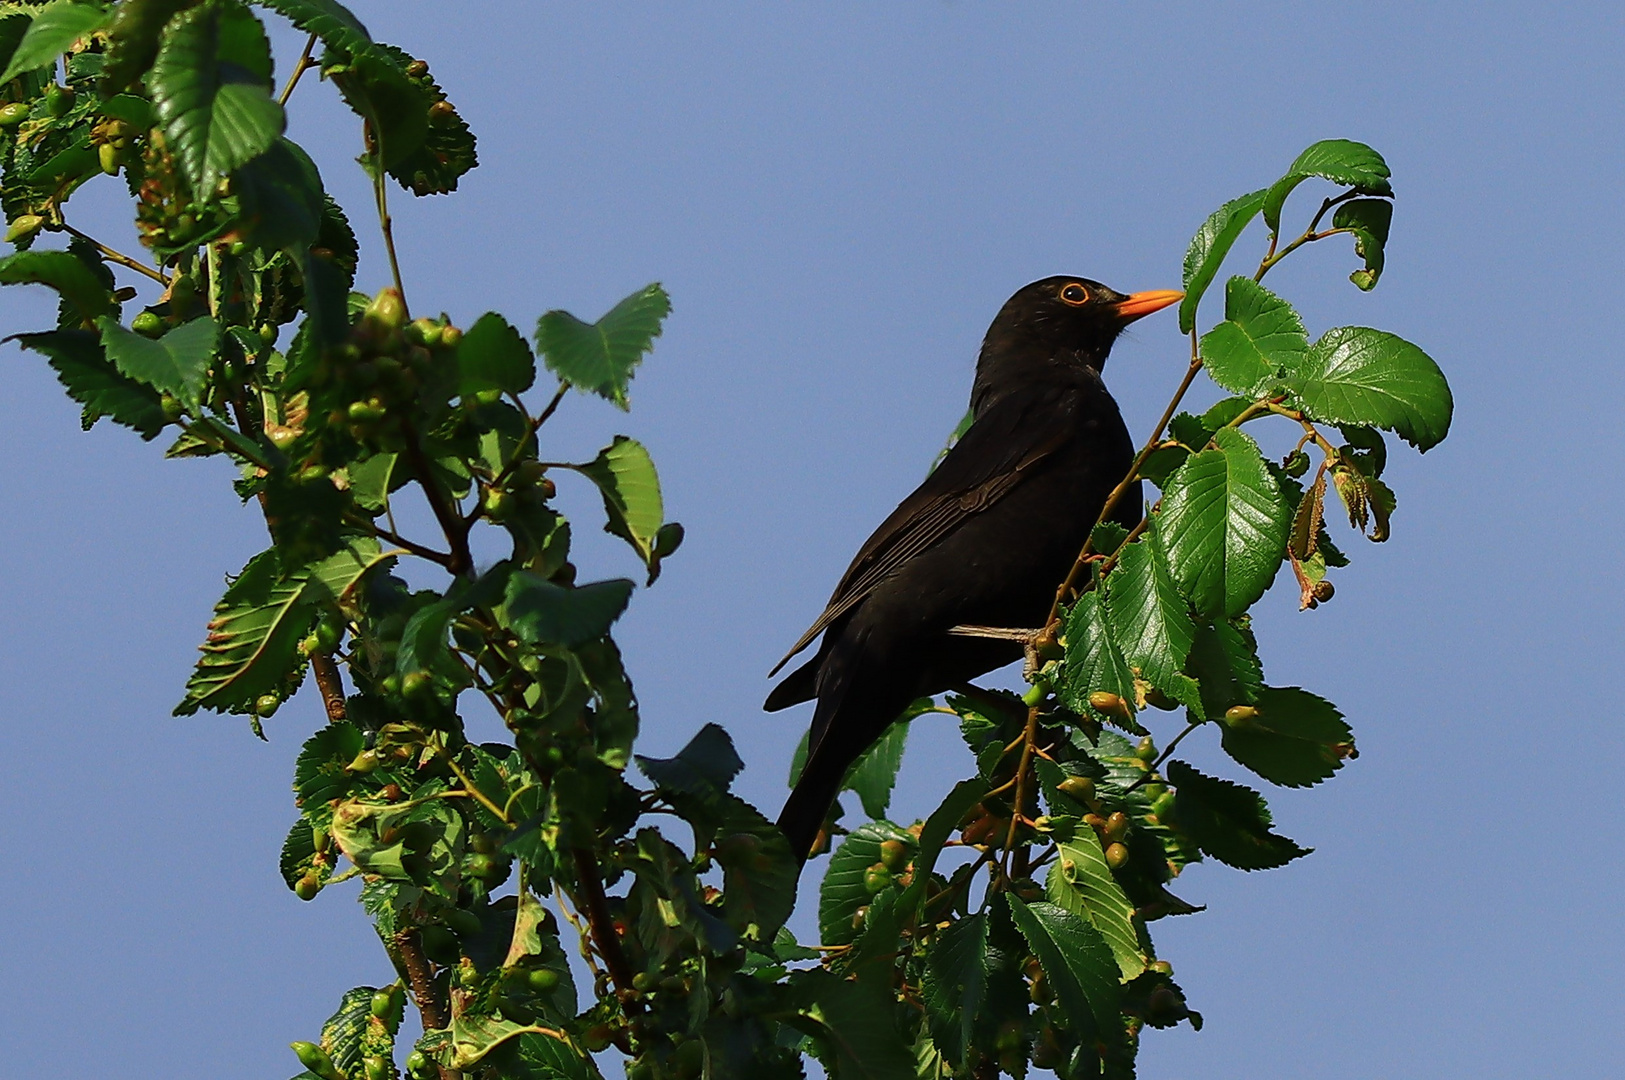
(838, 197)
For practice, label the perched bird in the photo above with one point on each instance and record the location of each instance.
(985, 540)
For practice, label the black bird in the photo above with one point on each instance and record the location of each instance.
(985, 540)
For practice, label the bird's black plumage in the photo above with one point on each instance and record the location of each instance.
(985, 540)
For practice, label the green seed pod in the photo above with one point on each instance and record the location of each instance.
(893, 854)
(376, 1068)
(542, 980)
(172, 407)
(148, 324)
(417, 1063)
(645, 981)
(416, 684)
(58, 99)
(1164, 806)
(450, 336)
(1116, 856)
(1296, 463)
(1146, 750)
(875, 878)
(107, 158)
(1161, 967)
(498, 504)
(13, 113)
(23, 226)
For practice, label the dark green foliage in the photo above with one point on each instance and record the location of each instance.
(1006, 932)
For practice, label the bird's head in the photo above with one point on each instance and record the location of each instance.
(1059, 320)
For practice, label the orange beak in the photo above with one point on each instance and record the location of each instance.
(1141, 304)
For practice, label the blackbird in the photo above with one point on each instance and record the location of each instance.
(985, 540)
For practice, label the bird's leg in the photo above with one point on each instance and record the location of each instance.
(1037, 645)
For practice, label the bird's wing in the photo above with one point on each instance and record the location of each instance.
(991, 458)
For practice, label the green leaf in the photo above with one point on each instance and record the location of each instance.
(1150, 620)
(1341, 161)
(343, 1032)
(211, 85)
(52, 33)
(1082, 883)
(759, 871)
(544, 1057)
(1296, 740)
(1094, 659)
(955, 981)
(842, 892)
(1368, 219)
(282, 200)
(1209, 246)
(1228, 821)
(65, 272)
(299, 855)
(493, 356)
(1224, 661)
(626, 478)
(90, 379)
(540, 611)
(875, 773)
(474, 1035)
(1225, 522)
(177, 363)
(253, 638)
(1261, 335)
(330, 21)
(132, 41)
(601, 357)
(708, 763)
(1355, 375)
(320, 774)
(857, 1021)
(422, 141)
(1078, 964)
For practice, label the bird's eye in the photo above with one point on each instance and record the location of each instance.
(1074, 294)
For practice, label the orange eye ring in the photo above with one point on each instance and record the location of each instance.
(1074, 294)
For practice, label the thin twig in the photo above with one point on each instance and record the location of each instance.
(599, 922)
(380, 193)
(298, 69)
(1162, 757)
(119, 257)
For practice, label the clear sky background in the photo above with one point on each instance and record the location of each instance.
(839, 198)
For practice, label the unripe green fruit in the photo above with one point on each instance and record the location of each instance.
(58, 99)
(668, 539)
(1109, 703)
(1117, 826)
(543, 980)
(1081, 788)
(487, 397)
(417, 69)
(440, 945)
(23, 226)
(482, 843)
(266, 704)
(386, 1002)
(172, 407)
(1240, 715)
(464, 922)
(1164, 806)
(1116, 856)
(498, 504)
(483, 866)
(316, 1060)
(894, 854)
(468, 976)
(148, 324)
(308, 886)
(596, 1038)
(645, 981)
(363, 412)
(1161, 967)
(417, 1062)
(375, 1068)
(363, 763)
(423, 331)
(877, 877)
(442, 110)
(388, 309)
(1145, 749)
(107, 158)
(416, 684)
(13, 113)
(1296, 464)
(450, 337)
